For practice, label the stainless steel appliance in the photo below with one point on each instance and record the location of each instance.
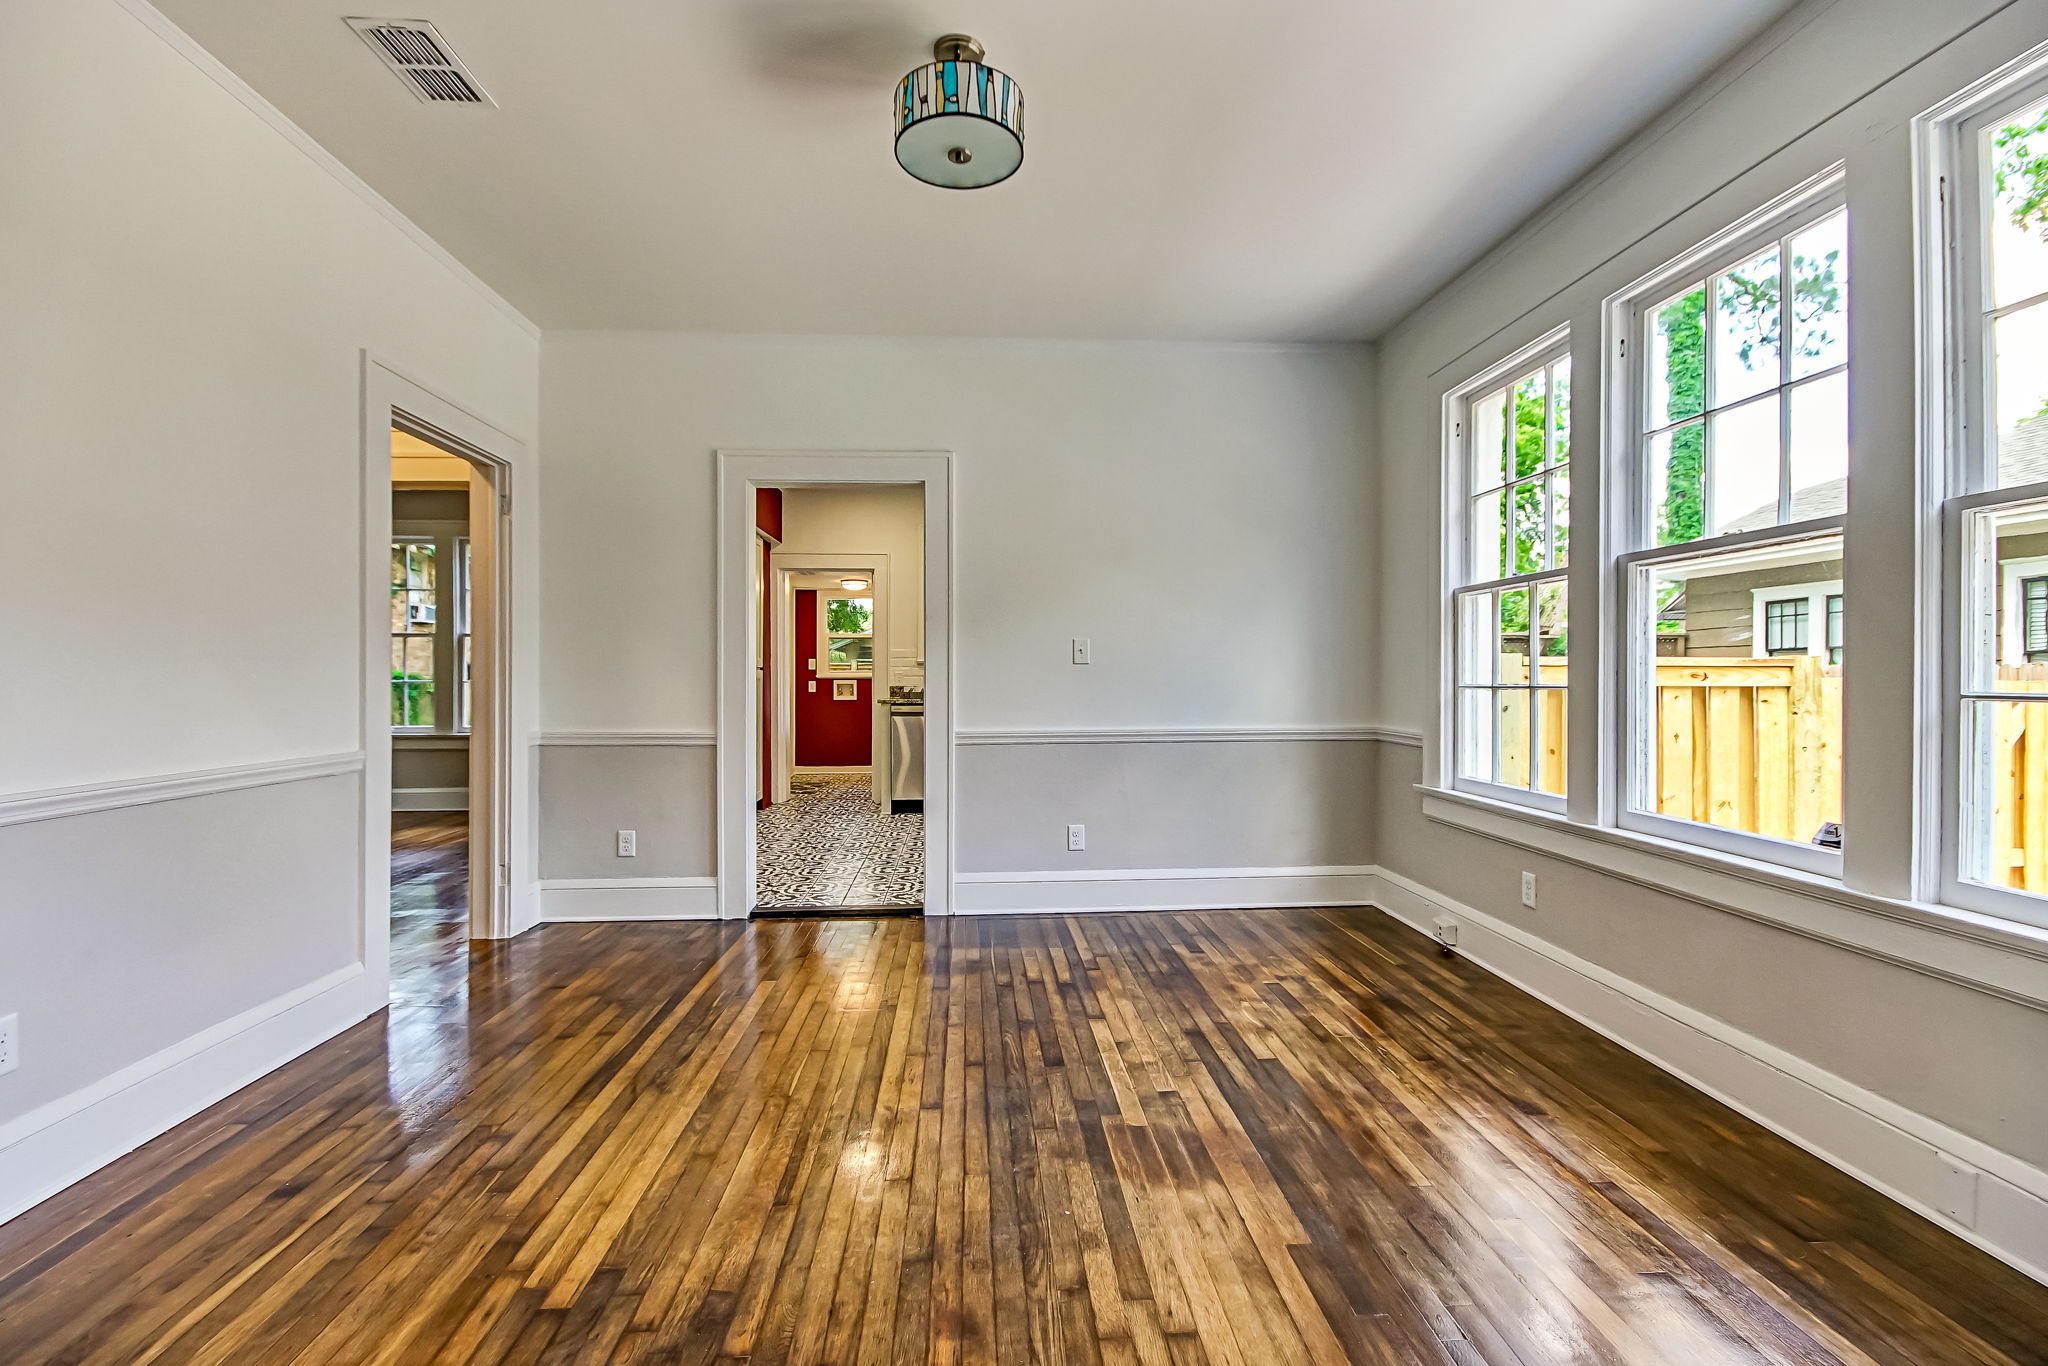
(906, 758)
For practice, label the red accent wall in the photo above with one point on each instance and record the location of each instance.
(828, 734)
(768, 512)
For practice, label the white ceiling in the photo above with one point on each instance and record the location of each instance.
(1194, 168)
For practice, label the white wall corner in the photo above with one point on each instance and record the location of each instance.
(55, 1145)
(1982, 1194)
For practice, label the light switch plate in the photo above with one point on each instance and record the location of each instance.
(1083, 652)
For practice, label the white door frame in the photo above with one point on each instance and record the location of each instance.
(740, 473)
(501, 769)
(791, 564)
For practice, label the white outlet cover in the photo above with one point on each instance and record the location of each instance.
(10, 1042)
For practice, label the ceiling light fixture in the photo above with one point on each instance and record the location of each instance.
(853, 583)
(959, 124)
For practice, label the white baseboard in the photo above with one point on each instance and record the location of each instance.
(430, 799)
(1159, 889)
(1975, 1191)
(73, 1136)
(629, 898)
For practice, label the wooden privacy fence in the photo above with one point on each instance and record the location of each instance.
(1751, 744)
(1755, 744)
(2019, 781)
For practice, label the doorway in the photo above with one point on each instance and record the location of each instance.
(840, 827)
(835, 748)
(434, 713)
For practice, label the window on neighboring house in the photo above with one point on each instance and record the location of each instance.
(1785, 626)
(2034, 619)
(848, 635)
(1736, 359)
(430, 639)
(1988, 170)
(1512, 445)
(1798, 618)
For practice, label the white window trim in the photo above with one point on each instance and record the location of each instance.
(1816, 595)
(1956, 400)
(825, 668)
(1545, 350)
(1628, 484)
(448, 538)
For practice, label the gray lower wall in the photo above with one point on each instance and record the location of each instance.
(129, 931)
(1165, 804)
(430, 764)
(664, 793)
(1170, 804)
(1972, 1061)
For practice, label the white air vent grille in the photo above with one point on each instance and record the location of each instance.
(417, 54)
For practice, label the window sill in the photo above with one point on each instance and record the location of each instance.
(2001, 957)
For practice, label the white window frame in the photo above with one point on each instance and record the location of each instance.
(1544, 352)
(1958, 383)
(1816, 596)
(1629, 486)
(451, 620)
(825, 637)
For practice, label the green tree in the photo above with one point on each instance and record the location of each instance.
(1749, 317)
(1682, 325)
(849, 616)
(2019, 170)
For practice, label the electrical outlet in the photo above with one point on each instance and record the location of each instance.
(1083, 652)
(10, 1042)
(1077, 838)
(1445, 930)
(629, 844)
(1529, 890)
(1954, 1191)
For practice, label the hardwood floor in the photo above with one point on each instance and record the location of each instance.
(1293, 1137)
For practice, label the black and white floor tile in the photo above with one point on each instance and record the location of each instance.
(831, 845)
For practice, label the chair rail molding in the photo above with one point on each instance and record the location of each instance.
(58, 802)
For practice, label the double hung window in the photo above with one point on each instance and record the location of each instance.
(1990, 178)
(1509, 601)
(430, 644)
(1735, 472)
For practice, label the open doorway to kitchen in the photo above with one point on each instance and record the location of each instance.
(839, 826)
(834, 728)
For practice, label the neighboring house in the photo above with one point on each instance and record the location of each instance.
(1751, 612)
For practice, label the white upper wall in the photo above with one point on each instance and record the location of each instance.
(876, 519)
(1202, 513)
(187, 292)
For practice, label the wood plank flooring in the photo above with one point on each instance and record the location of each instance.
(1226, 1138)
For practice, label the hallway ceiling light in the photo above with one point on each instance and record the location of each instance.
(959, 124)
(853, 583)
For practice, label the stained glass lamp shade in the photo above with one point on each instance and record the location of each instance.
(959, 123)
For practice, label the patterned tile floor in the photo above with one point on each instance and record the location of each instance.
(830, 845)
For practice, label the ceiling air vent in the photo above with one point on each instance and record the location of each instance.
(414, 49)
